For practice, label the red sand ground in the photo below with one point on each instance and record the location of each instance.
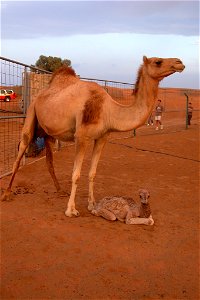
(46, 255)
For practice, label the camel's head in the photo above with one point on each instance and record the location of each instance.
(158, 68)
(144, 195)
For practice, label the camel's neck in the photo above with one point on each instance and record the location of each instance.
(127, 118)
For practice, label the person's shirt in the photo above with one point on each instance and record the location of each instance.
(190, 109)
(159, 110)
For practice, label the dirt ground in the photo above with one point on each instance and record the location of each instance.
(45, 255)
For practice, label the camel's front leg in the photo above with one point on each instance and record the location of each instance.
(98, 147)
(79, 156)
(140, 221)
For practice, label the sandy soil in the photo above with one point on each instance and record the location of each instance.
(46, 255)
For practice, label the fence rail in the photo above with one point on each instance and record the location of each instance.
(26, 81)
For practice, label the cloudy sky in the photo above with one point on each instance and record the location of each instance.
(104, 39)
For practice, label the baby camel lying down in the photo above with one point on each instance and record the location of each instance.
(125, 209)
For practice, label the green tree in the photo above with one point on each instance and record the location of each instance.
(50, 63)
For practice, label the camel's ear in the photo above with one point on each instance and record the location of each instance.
(145, 60)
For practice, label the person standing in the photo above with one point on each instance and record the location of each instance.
(190, 111)
(158, 115)
(150, 120)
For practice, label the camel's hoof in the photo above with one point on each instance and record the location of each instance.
(94, 212)
(70, 213)
(5, 196)
(91, 206)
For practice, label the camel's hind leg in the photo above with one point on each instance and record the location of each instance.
(106, 214)
(97, 150)
(27, 136)
(26, 139)
(49, 161)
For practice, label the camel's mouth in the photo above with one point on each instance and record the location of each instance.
(144, 201)
(179, 66)
(178, 69)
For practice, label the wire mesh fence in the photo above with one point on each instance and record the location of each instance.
(121, 92)
(20, 83)
(11, 114)
(17, 90)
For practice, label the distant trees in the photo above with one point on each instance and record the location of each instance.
(50, 63)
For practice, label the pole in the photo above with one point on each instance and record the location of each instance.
(186, 116)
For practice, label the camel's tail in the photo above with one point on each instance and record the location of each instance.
(32, 133)
(29, 128)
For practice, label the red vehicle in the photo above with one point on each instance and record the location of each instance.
(7, 95)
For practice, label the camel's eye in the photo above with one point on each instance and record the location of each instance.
(158, 62)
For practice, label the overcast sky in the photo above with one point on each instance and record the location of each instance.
(104, 39)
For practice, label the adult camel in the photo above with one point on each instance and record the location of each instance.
(72, 109)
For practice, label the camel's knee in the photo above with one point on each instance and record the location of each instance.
(151, 220)
(21, 150)
(92, 176)
(24, 143)
(112, 218)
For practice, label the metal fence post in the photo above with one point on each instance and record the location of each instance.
(106, 86)
(25, 97)
(186, 116)
(26, 92)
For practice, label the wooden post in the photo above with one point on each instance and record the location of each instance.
(186, 116)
